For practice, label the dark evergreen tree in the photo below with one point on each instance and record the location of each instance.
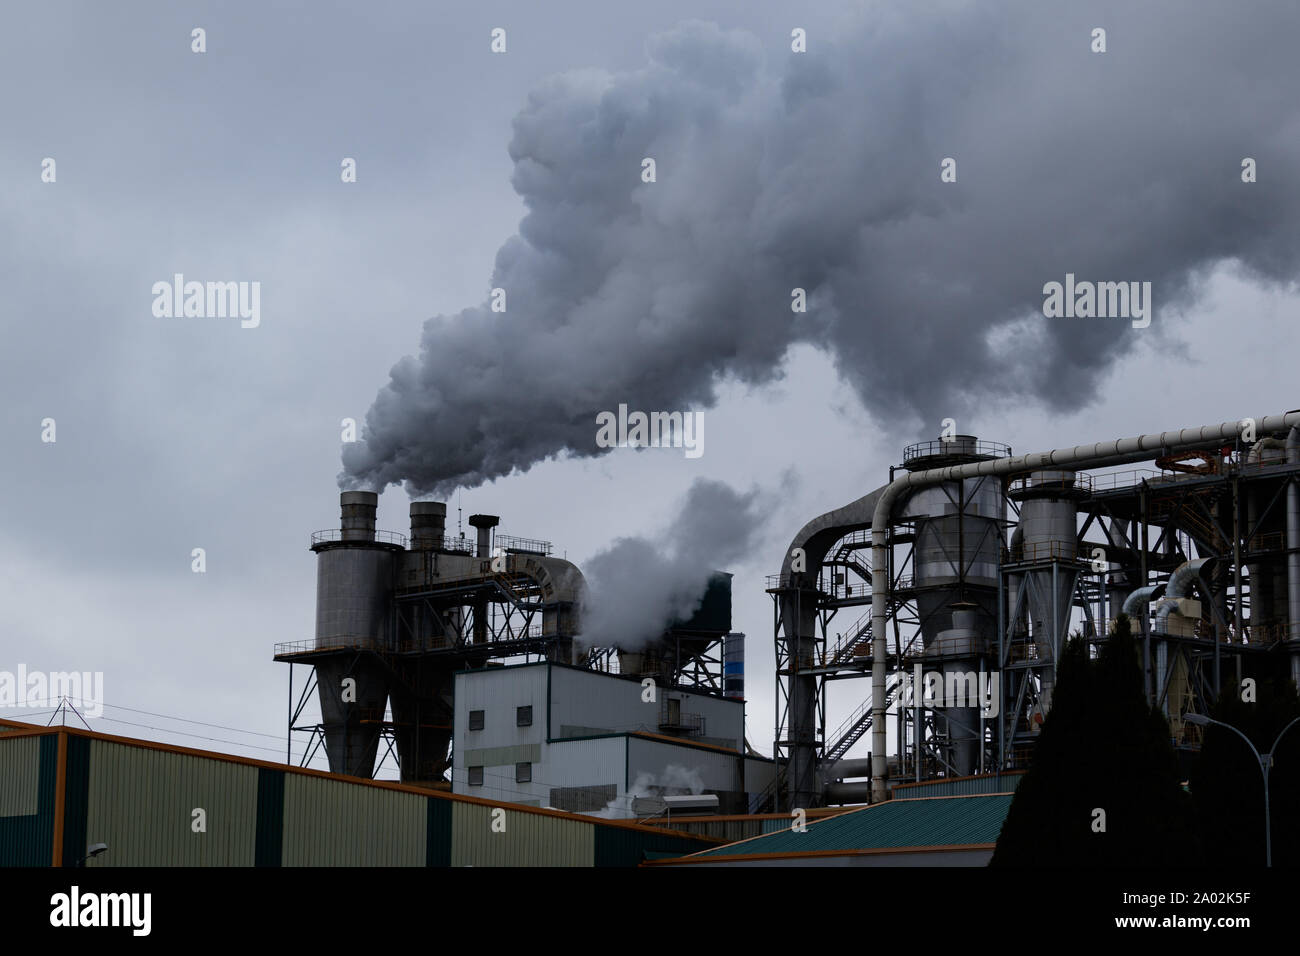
(1102, 748)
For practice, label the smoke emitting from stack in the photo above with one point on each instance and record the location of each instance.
(820, 171)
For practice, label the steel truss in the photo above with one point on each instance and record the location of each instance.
(1146, 524)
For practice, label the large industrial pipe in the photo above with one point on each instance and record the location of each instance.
(844, 792)
(1136, 603)
(1100, 455)
(1117, 535)
(1180, 586)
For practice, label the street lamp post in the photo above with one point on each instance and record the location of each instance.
(92, 851)
(1265, 765)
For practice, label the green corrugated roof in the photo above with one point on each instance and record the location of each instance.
(942, 821)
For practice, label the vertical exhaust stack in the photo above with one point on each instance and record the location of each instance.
(485, 524)
(733, 666)
(358, 515)
(428, 525)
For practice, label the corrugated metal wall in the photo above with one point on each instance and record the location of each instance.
(583, 699)
(335, 823)
(960, 786)
(597, 703)
(716, 770)
(141, 802)
(497, 692)
(501, 743)
(529, 839)
(27, 781)
(76, 798)
(725, 829)
(19, 776)
(584, 765)
(616, 846)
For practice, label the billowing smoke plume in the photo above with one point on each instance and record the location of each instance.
(638, 587)
(821, 170)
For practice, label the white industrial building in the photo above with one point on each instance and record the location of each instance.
(552, 735)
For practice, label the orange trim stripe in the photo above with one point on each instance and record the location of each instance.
(32, 730)
(60, 785)
(813, 854)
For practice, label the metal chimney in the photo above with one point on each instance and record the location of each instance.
(358, 515)
(485, 524)
(428, 525)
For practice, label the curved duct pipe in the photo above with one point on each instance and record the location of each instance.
(1184, 577)
(798, 608)
(1257, 450)
(1160, 620)
(1179, 586)
(1100, 455)
(1293, 538)
(1160, 624)
(1136, 602)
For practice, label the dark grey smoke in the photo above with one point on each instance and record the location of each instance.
(821, 170)
(639, 586)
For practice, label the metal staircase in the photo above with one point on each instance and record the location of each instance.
(845, 649)
(853, 729)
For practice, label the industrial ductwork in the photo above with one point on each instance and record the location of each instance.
(1099, 455)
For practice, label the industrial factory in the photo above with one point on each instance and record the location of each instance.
(478, 641)
(934, 608)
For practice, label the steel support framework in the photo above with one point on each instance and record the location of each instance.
(1135, 529)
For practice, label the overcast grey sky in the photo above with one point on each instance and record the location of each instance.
(182, 433)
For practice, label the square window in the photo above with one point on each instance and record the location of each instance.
(524, 716)
(523, 773)
(476, 720)
(476, 776)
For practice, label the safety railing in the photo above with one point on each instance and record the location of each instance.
(337, 534)
(1129, 478)
(458, 544)
(692, 724)
(1062, 482)
(1273, 541)
(525, 545)
(1048, 551)
(958, 445)
(308, 646)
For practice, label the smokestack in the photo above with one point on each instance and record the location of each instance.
(428, 525)
(485, 524)
(733, 666)
(358, 515)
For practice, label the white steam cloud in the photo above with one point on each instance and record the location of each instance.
(639, 586)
